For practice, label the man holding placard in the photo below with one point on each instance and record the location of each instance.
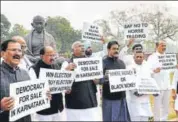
(10, 73)
(128, 58)
(114, 105)
(139, 103)
(81, 102)
(47, 55)
(161, 72)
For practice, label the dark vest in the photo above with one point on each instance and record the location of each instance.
(56, 102)
(109, 64)
(8, 76)
(83, 94)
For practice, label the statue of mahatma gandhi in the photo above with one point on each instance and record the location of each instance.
(38, 38)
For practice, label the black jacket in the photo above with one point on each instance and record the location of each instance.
(8, 76)
(56, 102)
(110, 63)
(83, 94)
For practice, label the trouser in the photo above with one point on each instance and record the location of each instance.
(89, 114)
(52, 117)
(98, 94)
(161, 106)
(139, 118)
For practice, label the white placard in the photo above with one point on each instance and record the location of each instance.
(88, 68)
(59, 81)
(168, 61)
(147, 86)
(90, 32)
(121, 80)
(138, 31)
(30, 97)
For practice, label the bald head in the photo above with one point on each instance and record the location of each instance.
(49, 49)
(75, 44)
(19, 39)
(38, 18)
(161, 46)
(38, 23)
(78, 48)
(22, 42)
(48, 54)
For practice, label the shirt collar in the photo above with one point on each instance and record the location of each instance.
(159, 53)
(9, 67)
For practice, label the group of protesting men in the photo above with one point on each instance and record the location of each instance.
(21, 60)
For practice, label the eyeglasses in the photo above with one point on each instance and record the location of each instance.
(24, 46)
(15, 50)
(139, 57)
(50, 55)
(138, 48)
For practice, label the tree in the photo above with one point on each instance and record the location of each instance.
(62, 31)
(163, 24)
(5, 26)
(18, 30)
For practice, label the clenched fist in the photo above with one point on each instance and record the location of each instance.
(157, 70)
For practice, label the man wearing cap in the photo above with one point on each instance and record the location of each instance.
(38, 38)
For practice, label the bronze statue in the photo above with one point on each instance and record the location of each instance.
(38, 38)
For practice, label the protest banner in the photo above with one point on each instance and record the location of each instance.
(30, 97)
(137, 31)
(168, 61)
(59, 81)
(90, 32)
(121, 80)
(147, 86)
(88, 69)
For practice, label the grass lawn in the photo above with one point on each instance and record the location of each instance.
(172, 113)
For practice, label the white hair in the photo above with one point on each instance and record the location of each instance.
(16, 38)
(76, 43)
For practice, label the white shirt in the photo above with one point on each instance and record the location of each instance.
(163, 77)
(1, 60)
(128, 59)
(140, 106)
(143, 71)
(26, 64)
(175, 80)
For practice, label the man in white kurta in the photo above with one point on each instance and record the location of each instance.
(125, 56)
(139, 105)
(162, 77)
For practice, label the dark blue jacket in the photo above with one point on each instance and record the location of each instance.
(110, 63)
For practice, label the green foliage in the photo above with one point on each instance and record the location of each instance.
(63, 32)
(162, 24)
(5, 26)
(18, 30)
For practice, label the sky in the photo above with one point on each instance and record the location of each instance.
(76, 12)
